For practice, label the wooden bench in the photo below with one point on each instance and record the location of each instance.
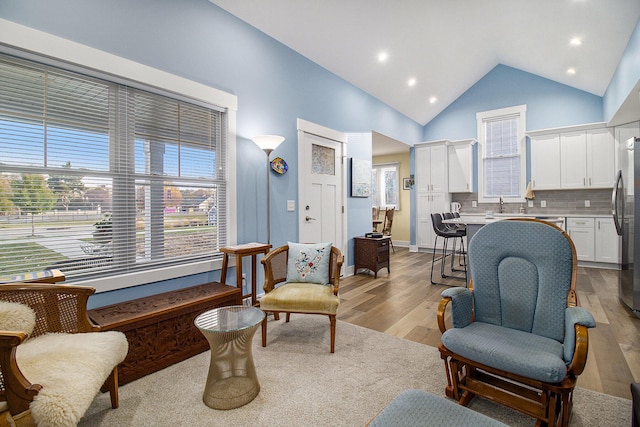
(160, 328)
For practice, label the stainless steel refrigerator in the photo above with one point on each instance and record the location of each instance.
(626, 216)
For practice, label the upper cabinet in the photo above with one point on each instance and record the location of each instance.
(578, 157)
(460, 157)
(587, 159)
(431, 168)
(545, 162)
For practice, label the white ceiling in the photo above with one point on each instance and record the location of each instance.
(446, 45)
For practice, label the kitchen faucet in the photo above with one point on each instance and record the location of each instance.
(501, 205)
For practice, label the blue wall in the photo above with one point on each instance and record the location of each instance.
(275, 86)
(549, 104)
(358, 208)
(625, 78)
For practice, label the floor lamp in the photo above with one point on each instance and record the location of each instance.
(268, 143)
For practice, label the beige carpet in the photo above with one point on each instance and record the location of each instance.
(302, 384)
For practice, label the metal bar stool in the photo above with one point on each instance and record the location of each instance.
(463, 229)
(446, 233)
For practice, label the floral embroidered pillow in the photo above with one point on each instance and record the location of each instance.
(309, 262)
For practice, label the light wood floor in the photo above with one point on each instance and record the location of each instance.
(404, 303)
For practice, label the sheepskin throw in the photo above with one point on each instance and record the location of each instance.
(16, 317)
(71, 369)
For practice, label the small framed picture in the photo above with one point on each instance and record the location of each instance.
(406, 183)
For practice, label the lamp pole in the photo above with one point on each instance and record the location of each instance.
(268, 143)
(268, 151)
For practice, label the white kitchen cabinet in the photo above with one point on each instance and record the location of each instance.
(595, 239)
(573, 159)
(431, 176)
(545, 162)
(607, 241)
(460, 161)
(582, 233)
(587, 159)
(428, 203)
(600, 158)
(431, 168)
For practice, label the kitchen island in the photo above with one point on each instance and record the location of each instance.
(475, 222)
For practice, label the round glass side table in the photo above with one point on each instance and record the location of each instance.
(232, 380)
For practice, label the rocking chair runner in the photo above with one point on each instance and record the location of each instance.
(518, 336)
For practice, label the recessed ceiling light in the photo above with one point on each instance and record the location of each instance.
(383, 56)
(571, 71)
(433, 100)
(412, 82)
(576, 41)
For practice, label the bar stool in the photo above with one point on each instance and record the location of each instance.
(457, 227)
(446, 233)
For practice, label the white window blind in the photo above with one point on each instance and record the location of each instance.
(100, 176)
(502, 158)
(502, 168)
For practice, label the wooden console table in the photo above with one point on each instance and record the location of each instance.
(160, 328)
(247, 249)
(371, 253)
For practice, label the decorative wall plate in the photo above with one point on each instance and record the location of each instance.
(279, 165)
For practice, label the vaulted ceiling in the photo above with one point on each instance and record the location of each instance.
(447, 46)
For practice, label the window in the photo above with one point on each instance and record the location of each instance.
(502, 153)
(98, 176)
(385, 185)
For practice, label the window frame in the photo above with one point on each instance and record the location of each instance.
(379, 186)
(27, 43)
(482, 118)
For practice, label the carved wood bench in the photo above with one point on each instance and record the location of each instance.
(160, 328)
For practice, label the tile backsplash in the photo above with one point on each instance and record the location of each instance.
(558, 202)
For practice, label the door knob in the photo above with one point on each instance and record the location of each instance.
(308, 218)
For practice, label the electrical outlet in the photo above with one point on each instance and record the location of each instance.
(587, 203)
(474, 204)
(543, 203)
(530, 203)
(291, 205)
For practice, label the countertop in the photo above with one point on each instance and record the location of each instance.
(537, 215)
(483, 219)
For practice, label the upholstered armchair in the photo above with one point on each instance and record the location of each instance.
(302, 278)
(516, 335)
(53, 360)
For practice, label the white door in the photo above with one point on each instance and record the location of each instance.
(321, 186)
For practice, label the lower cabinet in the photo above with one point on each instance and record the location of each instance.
(607, 241)
(428, 203)
(583, 236)
(595, 239)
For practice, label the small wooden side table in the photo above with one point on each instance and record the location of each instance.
(371, 253)
(239, 251)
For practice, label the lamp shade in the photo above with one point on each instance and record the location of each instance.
(268, 142)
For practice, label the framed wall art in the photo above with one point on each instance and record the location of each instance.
(360, 178)
(406, 183)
